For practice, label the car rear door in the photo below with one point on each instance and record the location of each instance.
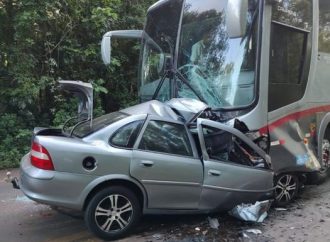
(165, 161)
(235, 169)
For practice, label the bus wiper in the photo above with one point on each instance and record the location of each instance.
(171, 73)
(186, 82)
(162, 80)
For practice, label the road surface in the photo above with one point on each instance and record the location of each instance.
(308, 219)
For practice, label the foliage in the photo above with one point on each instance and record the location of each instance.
(44, 41)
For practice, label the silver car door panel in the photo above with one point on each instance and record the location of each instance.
(173, 182)
(147, 163)
(226, 183)
(214, 173)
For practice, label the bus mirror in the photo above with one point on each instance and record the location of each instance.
(236, 18)
(120, 34)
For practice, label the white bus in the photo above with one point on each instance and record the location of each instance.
(263, 62)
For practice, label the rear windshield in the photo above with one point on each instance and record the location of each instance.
(84, 129)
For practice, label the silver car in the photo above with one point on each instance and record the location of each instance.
(152, 158)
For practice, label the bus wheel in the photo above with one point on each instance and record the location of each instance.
(320, 176)
(286, 189)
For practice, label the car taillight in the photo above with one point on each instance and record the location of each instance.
(40, 157)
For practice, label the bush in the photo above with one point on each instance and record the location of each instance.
(44, 41)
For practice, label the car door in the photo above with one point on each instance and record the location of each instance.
(235, 169)
(165, 161)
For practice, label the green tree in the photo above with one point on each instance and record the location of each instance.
(44, 41)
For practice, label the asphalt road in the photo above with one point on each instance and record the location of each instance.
(308, 219)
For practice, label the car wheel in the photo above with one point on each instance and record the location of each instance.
(320, 176)
(112, 212)
(286, 189)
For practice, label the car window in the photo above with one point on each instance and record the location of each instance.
(85, 129)
(125, 136)
(166, 137)
(226, 147)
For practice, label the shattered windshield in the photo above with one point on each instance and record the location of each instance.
(219, 68)
(198, 59)
(159, 42)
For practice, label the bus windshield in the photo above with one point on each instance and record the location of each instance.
(218, 69)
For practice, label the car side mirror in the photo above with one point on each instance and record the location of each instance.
(236, 18)
(120, 34)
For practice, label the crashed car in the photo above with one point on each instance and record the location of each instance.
(152, 158)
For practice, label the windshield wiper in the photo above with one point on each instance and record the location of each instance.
(171, 73)
(162, 80)
(186, 82)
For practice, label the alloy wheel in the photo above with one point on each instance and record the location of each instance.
(286, 189)
(113, 213)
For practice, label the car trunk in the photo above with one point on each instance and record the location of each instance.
(84, 92)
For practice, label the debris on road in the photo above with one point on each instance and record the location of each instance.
(251, 212)
(197, 229)
(23, 199)
(280, 209)
(157, 236)
(8, 177)
(253, 231)
(214, 223)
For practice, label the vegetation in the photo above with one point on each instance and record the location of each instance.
(44, 41)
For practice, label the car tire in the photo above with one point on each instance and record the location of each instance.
(112, 213)
(319, 177)
(286, 189)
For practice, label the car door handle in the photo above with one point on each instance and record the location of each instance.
(147, 163)
(214, 173)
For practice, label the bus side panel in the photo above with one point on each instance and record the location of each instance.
(294, 140)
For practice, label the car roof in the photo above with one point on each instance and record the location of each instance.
(179, 109)
(153, 107)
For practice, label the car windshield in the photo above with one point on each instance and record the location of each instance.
(217, 68)
(85, 129)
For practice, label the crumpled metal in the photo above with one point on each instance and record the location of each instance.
(252, 212)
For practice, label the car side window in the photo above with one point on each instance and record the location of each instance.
(125, 136)
(226, 147)
(166, 137)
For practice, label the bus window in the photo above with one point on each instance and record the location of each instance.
(324, 28)
(287, 59)
(290, 52)
(287, 54)
(296, 13)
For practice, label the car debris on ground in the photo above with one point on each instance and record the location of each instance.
(253, 231)
(214, 223)
(251, 212)
(280, 209)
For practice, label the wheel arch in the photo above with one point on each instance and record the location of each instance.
(124, 181)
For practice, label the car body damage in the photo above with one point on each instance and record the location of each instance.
(84, 92)
(178, 160)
